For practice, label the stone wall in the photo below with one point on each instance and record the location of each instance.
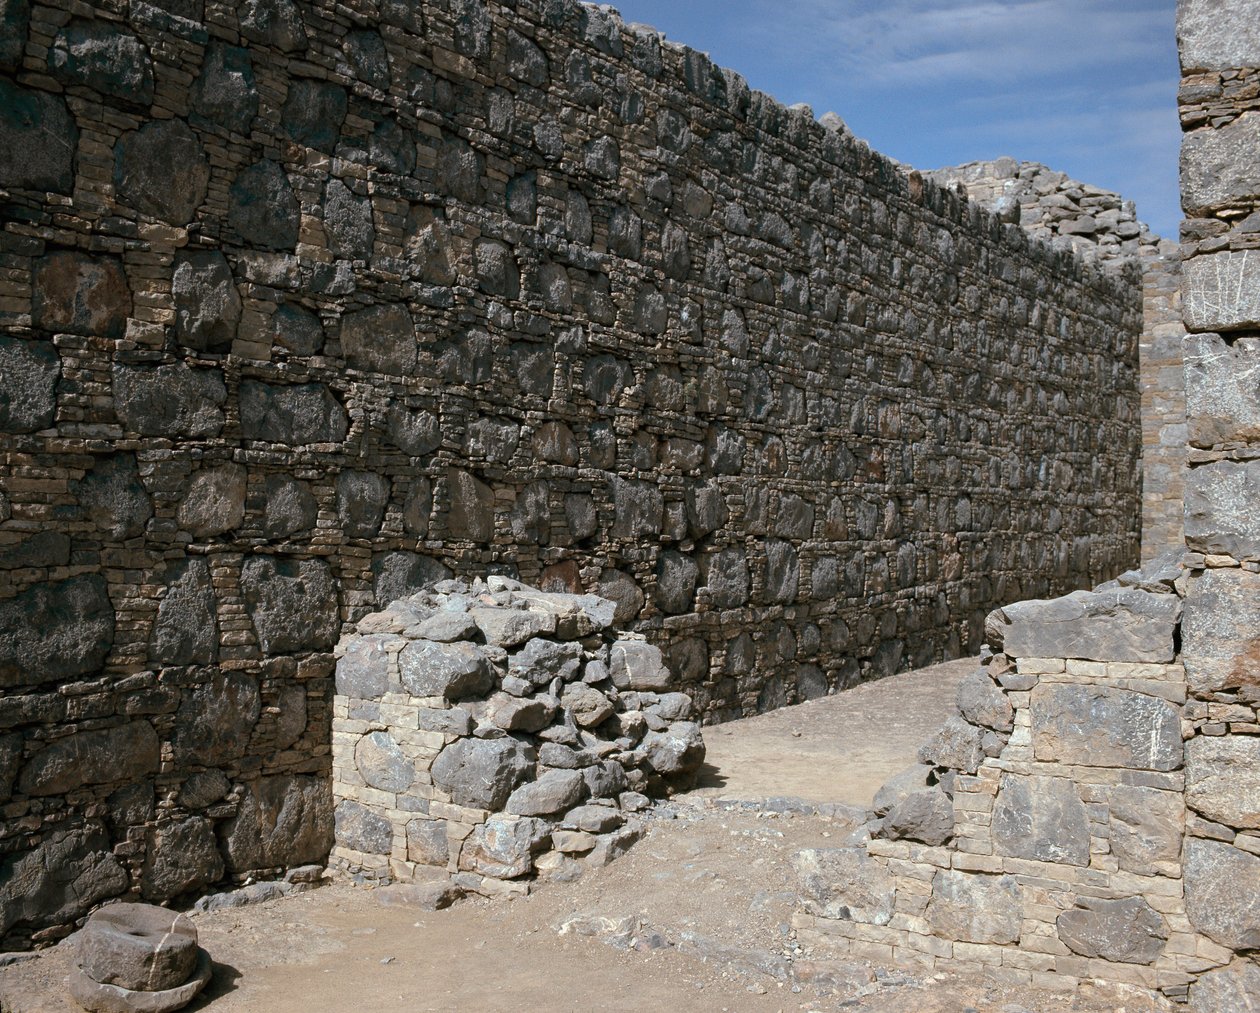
(307, 304)
(1098, 223)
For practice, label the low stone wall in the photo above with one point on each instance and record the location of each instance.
(493, 732)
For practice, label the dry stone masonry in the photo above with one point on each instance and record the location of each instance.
(305, 305)
(1075, 215)
(491, 732)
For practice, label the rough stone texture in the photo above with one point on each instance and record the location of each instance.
(40, 137)
(1222, 391)
(215, 501)
(1221, 517)
(447, 670)
(98, 998)
(1129, 930)
(92, 757)
(55, 631)
(957, 745)
(845, 883)
(1145, 827)
(1223, 291)
(293, 603)
(1105, 727)
(1236, 987)
(161, 170)
(170, 401)
(186, 629)
(1221, 632)
(226, 91)
(79, 294)
(1041, 818)
(1221, 884)
(138, 946)
(207, 304)
(282, 820)
(113, 498)
(1122, 625)
(481, 773)
(1223, 779)
(926, 815)
(1217, 35)
(553, 792)
(981, 702)
(105, 58)
(28, 385)
(181, 856)
(975, 909)
(264, 209)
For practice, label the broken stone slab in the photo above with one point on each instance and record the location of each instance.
(638, 665)
(913, 778)
(1221, 885)
(982, 703)
(1129, 931)
(975, 908)
(1104, 727)
(1235, 988)
(1223, 779)
(512, 627)
(138, 946)
(556, 791)
(956, 746)
(97, 997)
(453, 671)
(1041, 819)
(926, 816)
(1126, 625)
(425, 896)
(845, 883)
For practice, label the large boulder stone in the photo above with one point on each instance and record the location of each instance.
(1217, 35)
(15, 22)
(172, 400)
(676, 577)
(1103, 727)
(588, 706)
(104, 57)
(361, 500)
(555, 791)
(262, 207)
(1042, 819)
(293, 603)
(415, 432)
(398, 574)
(275, 23)
(520, 714)
(1129, 931)
(216, 719)
(481, 773)
(380, 339)
(471, 512)
(215, 501)
(125, 752)
(845, 884)
(59, 880)
(926, 815)
(982, 703)
(504, 847)
(1222, 391)
(453, 671)
(207, 304)
(314, 112)
(113, 498)
(55, 631)
(676, 752)
(639, 666)
(1218, 167)
(1145, 826)
(138, 946)
(290, 506)
(973, 908)
(182, 856)
(783, 572)
(29, 371)
(1235, 988)
(348, 222)
(957, 745)
(511, 627)
(226, 91)
(296, 330)
(280, 821)
(1126, 624)
(1221, 886)
(38, 140)
(186, 630)
(383, 763)
(427, 842)
(162, 171)
(1223, 779)
(540, 661)
(363, 829)
(10, 760)
(725, 575)
(1222, 291)
(1220, 512)
(75, 293)
(900, 786)
(44, 548)
(1220, 635)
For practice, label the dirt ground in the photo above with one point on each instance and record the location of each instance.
(697, 916)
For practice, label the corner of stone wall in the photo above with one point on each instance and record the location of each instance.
(493, 734)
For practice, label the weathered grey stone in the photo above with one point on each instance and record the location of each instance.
(446, 627)
(44, 548)
(454, 671)
(845, 884)
(289, 508)
(594, 819)
(10, 761)
(171, 400)
(982, 703)
(15, 22)
(427, 842)
(215, 501)
(262, 209)
(620, 588)
(216, 719)
(365, 50)
(512, 627)
(605, 780)
(314, 112)
(1221, 884)
(481, 772)
(1041, 819)
(676, 752)
(1222, 290)
(435, 896)
(1222, 390)
(516, 714)
(555, 791)
(639, 507)
(471, 513)
(1220, 642)
(926, 815)
(975, 908)
(80, 294)
(957, 745)
(180, 856)
(676, 576)
(226, 91)
(98, 998)
(293, 603)
(783, 572)
(361, 500)
(162, 171)
(60, 879)
(1145, 827)
(38, 140)
(913, 779)
(113, 498)
(503, 847)
(1217, 35)
(1220, 509)
(296, 415)
(1103, 727)
(577, 615)
(348, 224)
(95, 757)
(1129, 931)
(637, 665)
(203, 788)
(105, 58)
(276, 23)
(398, 574)
(540, 661)
(1235, 988)
(588, 706)
(1223, 779)
(1217, 165)
(383, 763)
(55, 631)
(360, 828)
(281, 821)
(296, 329)
(186, 630)
(207, 304)
(1126, 624)
(138, 946)
(29, 371)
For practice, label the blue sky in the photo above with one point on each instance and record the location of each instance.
(1085, 86)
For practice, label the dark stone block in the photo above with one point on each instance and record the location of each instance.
(138, 947)
(59, 880)
(162, 171)
(459, 170)
(113, 498)
(414, 431)
(214, 502)
(45, 548)
(1042, 819)
(55, 631)
(182, 856)
(482, 773)
(297, 330)
(399, 574)
(290, 507)
(296, 415)
(10, 761)
(530, 516)
(293, 603)
(29, 371)
(1105, 727)
(783, 572)
(226, 91)
(263, 209)
(1129, 930)
(361, 500)
(38, 140)
(15, 22)
(186, 630)
(216, 719)
(348, 223)
(79, 294)
(126, 752)
(207, 304)
(497, 273)
(472, 28)
(281, 821)
(1221, 884)
(418, 507)
(365, 50)
(382, 763)
(105, 58)
(359, 828)
(276, 23)
(380, 339)
(172, 400)
(676, 576)
(314, 112)
(471, 512)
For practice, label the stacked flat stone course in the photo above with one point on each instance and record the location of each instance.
(306, 305)
(493, 732)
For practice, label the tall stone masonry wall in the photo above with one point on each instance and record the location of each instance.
(1066, 212)
(305, 305)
